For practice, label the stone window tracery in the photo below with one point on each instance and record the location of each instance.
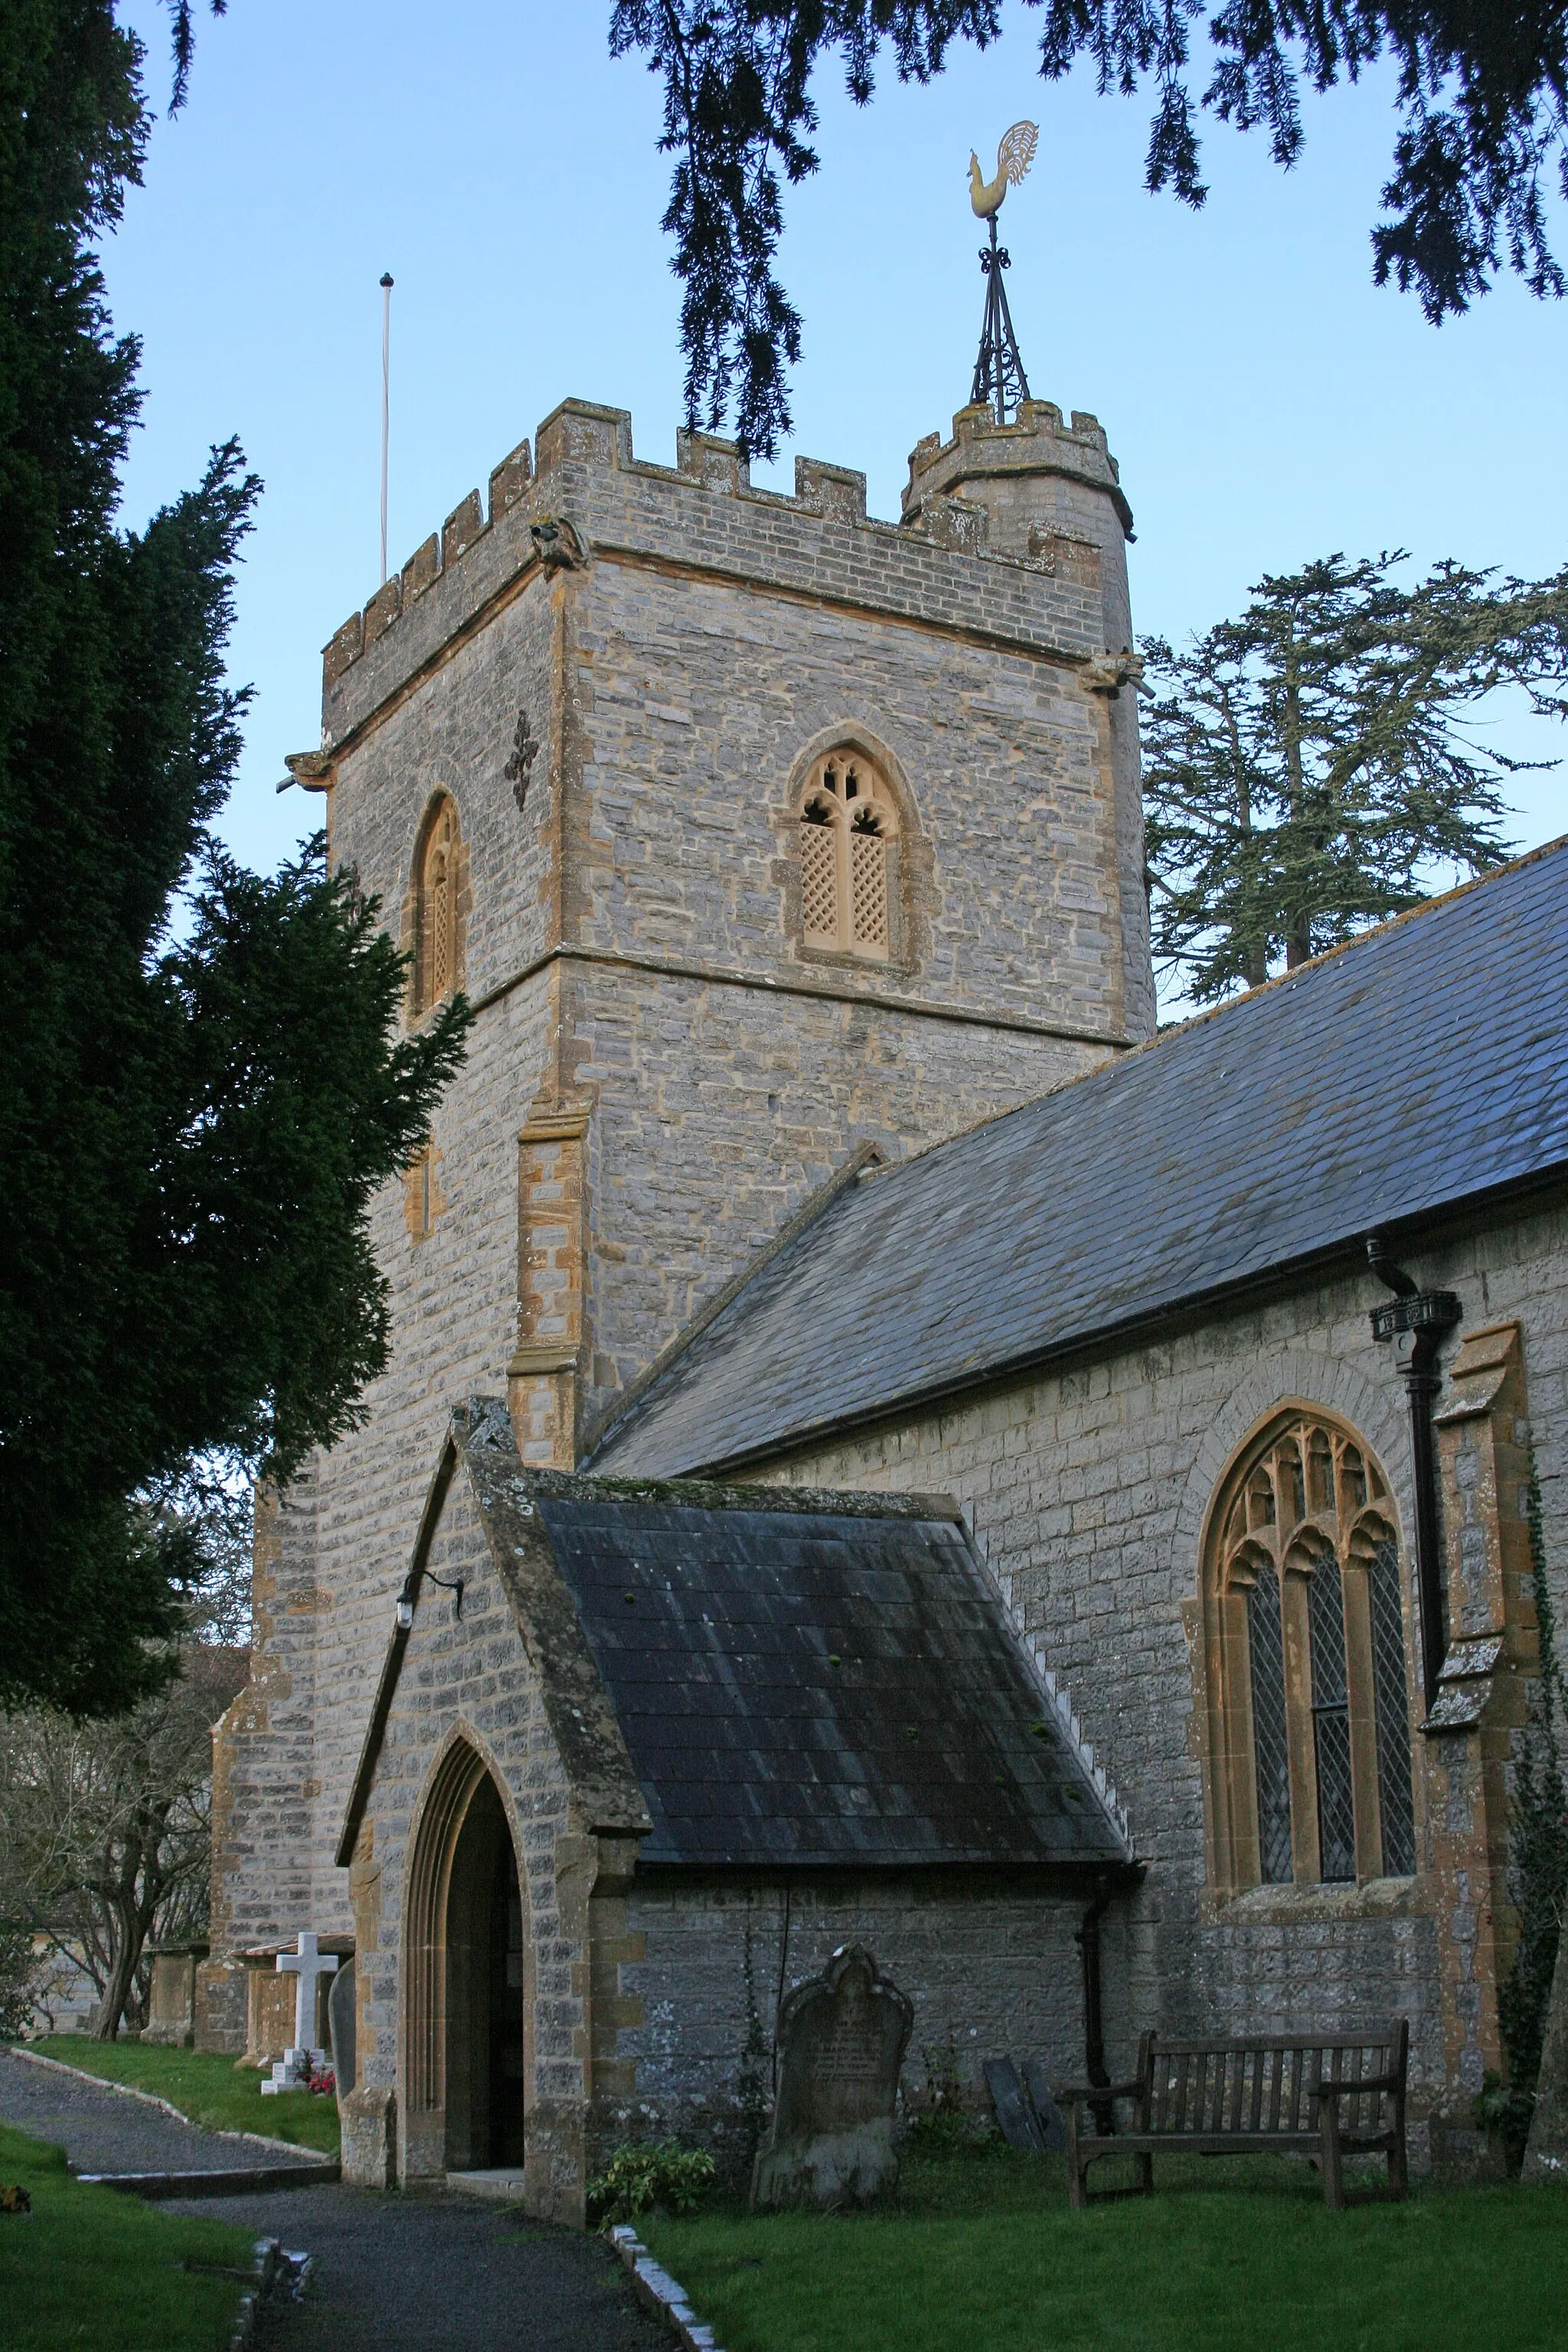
(1309, 1694)
(849, 844)
(440, 908)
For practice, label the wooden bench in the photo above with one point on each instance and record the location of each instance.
(1328, 2096)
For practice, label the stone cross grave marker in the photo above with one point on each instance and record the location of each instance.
(841, 2043)
(305, 1963)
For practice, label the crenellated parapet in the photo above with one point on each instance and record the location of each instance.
(582, 494)
(463, 528)
(1038, 444)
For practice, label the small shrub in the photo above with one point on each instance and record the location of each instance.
(943, 2124)
(646, 2173)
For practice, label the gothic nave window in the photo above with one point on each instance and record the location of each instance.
(1305, 1623)
(848, 836)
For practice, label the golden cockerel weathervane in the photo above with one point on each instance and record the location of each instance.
(999, 379)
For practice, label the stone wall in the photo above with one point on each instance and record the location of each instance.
(719, 1109)
(470, 1679)
(265, 1785)
(988, 1962)
(1087, 1488)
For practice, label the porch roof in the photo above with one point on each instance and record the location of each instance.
(806, 1679)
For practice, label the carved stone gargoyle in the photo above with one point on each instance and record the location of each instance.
(559, 543)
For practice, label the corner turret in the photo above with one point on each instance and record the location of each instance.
(1047, 494)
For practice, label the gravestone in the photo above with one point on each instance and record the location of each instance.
(841, 2043)
(1014, 2113)
(172, 1994)
(307, 1964)
(341, 2028)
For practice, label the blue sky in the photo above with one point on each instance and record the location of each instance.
(1266, 402)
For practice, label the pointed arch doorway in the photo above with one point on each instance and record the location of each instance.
(465, 1981)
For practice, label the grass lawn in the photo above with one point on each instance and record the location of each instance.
(1228, 2255)
(207, 2089)
(91, 2268)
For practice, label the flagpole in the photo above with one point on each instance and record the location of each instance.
(385, 404)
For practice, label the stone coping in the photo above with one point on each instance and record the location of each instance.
(661, 2295)
(241, 2180)
(274, 2268)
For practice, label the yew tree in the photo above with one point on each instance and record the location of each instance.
(202, 1082)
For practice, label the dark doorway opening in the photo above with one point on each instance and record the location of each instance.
(506, 2011)
(485, 2122)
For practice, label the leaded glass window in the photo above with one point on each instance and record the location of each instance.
(1388, 1669)
(1310, 1758)
(1271, 1755)
(1331, 1722)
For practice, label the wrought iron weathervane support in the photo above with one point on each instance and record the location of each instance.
(1000, 383)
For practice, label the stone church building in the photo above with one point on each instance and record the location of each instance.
(878, 1445)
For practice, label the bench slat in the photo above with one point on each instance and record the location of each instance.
(1222, 2143)
(1174, 2046)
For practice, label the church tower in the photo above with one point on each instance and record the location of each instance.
(770, 843)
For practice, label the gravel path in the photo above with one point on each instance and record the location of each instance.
(390, 2273)
(433, 2273)
(102, 2131)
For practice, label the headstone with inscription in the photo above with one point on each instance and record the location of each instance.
(841, 2042)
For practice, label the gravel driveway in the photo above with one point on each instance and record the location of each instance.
(390, 2273)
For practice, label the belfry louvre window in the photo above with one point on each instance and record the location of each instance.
(440, 906)
(848, 836)
(1308, 1676)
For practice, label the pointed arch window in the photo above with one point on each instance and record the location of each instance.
(440, 907)
(849, 830)
(1309, 1674)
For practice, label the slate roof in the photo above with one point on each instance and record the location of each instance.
(822, 1685)
(1421, 1066)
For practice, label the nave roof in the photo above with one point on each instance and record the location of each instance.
(1421, 1068)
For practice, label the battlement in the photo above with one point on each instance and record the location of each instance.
(582, 491)
(1036, 443)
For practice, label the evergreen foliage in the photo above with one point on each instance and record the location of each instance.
(1481, 94)
(1306, 766)
(644, 2174)
(193, 1119)
(1538, 1868)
